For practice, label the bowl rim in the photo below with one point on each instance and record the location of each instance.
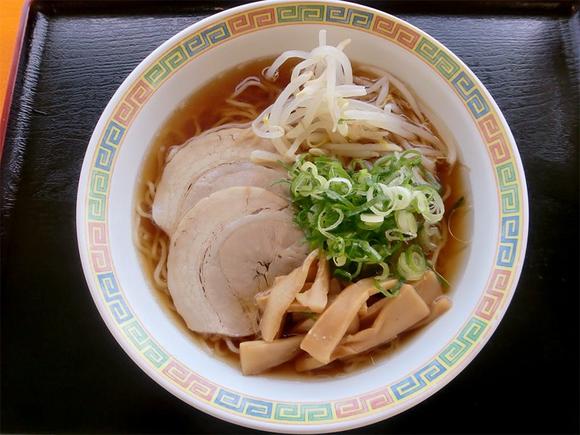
(504, 156)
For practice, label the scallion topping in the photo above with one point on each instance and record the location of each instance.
(368, 216)
(412, 264)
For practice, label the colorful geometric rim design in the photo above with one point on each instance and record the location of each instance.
(500, 284)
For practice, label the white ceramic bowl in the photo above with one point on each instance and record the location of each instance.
(465, 111)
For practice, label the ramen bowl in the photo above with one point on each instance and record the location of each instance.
(463, 112)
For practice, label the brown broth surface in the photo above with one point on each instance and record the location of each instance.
(203, 107)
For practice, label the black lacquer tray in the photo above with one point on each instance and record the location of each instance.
(61, 370)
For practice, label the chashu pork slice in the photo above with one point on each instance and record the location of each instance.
(233, 174)
(228, 247)
(199, 163)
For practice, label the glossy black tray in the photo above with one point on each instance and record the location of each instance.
(62, 371)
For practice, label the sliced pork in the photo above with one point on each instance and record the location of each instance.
(225, 249)
(206, 164)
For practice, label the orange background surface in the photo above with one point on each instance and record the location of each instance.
(10, 13)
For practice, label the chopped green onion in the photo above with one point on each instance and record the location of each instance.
(341, 180)
(406, 222)
(368, 216)
(326, 223)
(428, 202)
(343, 274)
(392, 292)
(397, 234)
(385, 273)
(440, 278)
(339, 260)
(412, 264)
(371, 218)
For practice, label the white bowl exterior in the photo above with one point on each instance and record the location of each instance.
(366, 48)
